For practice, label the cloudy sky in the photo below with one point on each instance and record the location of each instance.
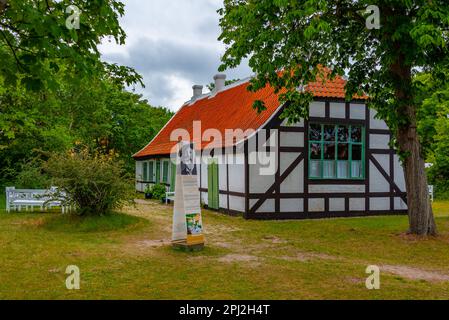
(173, 45)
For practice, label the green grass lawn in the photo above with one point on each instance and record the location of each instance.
(129, 257)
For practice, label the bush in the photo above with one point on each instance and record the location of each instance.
(94, 185)
(32, 177)
(158, 191)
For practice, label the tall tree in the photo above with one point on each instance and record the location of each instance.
(298, 36)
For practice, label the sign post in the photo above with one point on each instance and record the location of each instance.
(187, 222)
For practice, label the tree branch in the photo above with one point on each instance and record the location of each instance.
(13, 51)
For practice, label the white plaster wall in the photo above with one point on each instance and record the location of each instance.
(399, 176)
(336, 188)
(356, 204)
(294, 183)
(223, 201)
(375, 123)
(399, 204)
(204, 198)
(237, 174)
(292, 139)
(337, 204)
(292, 205)
(338, 110)
(222, 178)
(379, 204)
(260, 183)
(267, 207)
(318, 109)
(204, 179)
(377, 182)
(316, 205)
(357, 111)
(379, 141)
(237, 203)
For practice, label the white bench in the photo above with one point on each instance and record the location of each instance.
(16, 199)
(431, 193)
(169, 196)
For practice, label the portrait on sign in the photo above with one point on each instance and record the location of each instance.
(187, 157)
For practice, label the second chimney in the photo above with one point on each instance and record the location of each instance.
(197, 91)
(220, 82)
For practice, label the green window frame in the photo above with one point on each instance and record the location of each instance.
(158, 171)
(145, 171)
(336, 152)
(165, 171)
(151, 171)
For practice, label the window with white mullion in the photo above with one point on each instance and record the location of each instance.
(336, 151)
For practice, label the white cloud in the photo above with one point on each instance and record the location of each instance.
(173, 45)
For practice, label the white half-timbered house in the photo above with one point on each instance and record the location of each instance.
(338, 163)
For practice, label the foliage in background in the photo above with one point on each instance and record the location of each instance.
(433, 128)
(97, 113)
(95, 185)
(56, 93)
(31, 176)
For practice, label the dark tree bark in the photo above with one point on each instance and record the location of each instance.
(421, 219)
(420, 210)
(2, 5)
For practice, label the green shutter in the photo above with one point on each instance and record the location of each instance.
(173, 177)
(165, 171)
(145, 172)
(213, 192)
(158, 171)
(151, 171)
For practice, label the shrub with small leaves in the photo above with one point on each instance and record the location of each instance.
(93, 184)
(159, 191)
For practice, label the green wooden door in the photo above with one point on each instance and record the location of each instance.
(213, 191)
(158, 171)
(172, 177)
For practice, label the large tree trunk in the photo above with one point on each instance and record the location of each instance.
(420, 211)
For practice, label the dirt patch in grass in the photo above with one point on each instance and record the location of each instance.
(30, 222)
(415, 273)
(153, 243)
(230, 258)
(308, 256)
(274, 240)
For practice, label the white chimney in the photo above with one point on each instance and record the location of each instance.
(220, 81)
(197, 91)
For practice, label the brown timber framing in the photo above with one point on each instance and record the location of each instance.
(274, 191)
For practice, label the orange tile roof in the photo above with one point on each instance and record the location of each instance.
(230, 109)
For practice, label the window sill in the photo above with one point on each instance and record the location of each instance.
(336, 181)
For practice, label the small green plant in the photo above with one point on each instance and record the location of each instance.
(159, 191)
(148, 192)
